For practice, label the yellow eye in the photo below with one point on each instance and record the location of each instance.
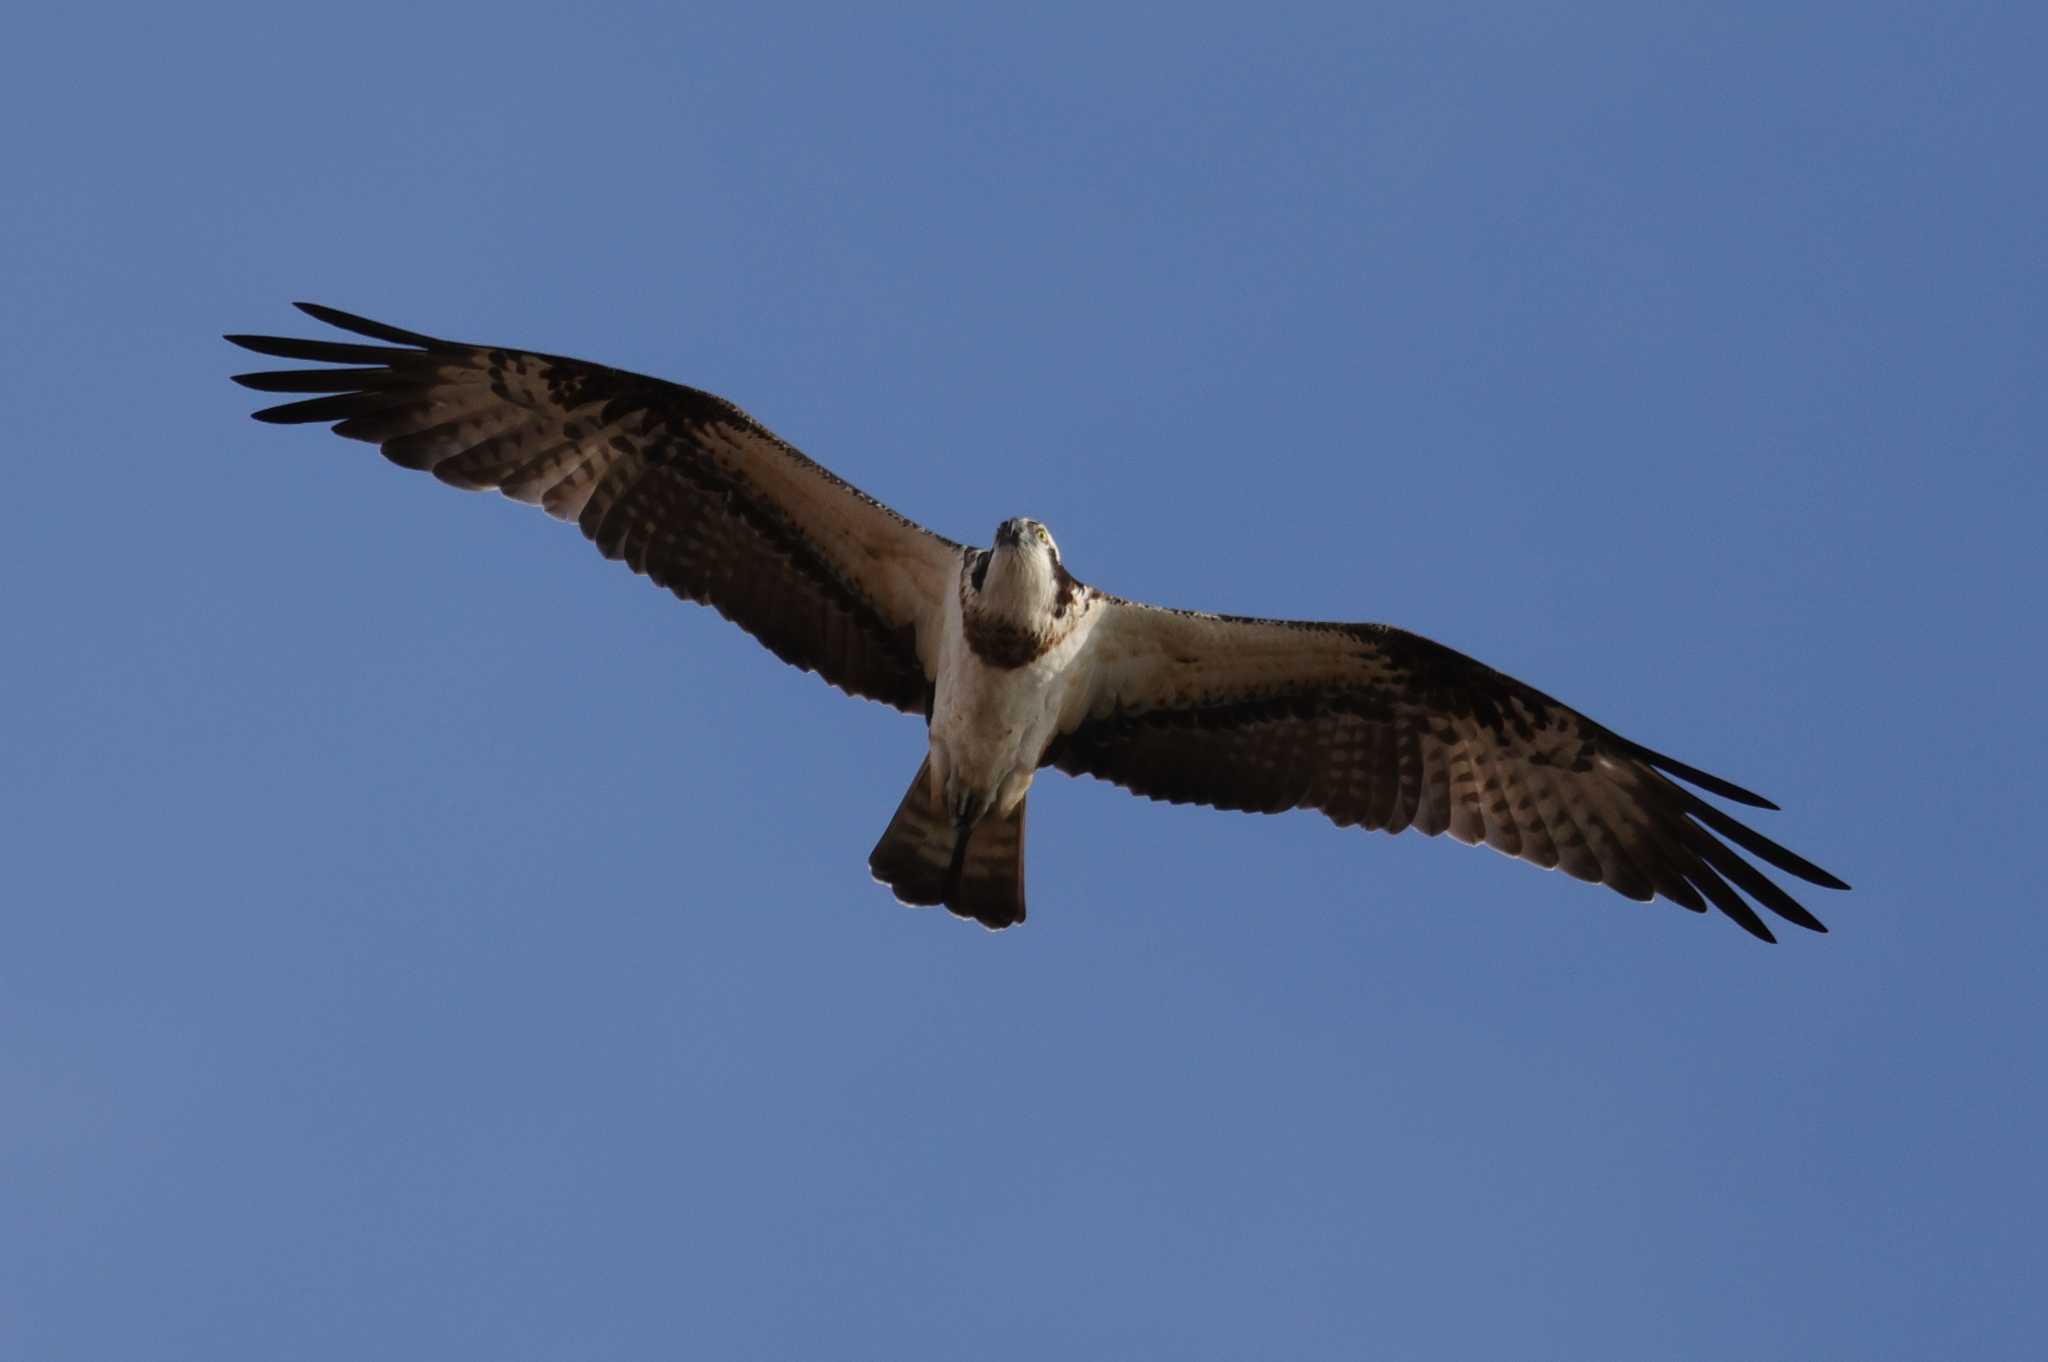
(1041, 532)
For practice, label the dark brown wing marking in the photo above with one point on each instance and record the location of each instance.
(1383, 729)
(681, 485)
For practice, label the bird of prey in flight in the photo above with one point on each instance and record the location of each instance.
(1014, 663)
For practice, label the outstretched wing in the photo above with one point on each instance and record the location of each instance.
(679, 484)
(1384, 729)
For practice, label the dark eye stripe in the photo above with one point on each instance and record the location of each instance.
(980, 569)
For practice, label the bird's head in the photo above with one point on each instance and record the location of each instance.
(1021, 578)
(1022, 532)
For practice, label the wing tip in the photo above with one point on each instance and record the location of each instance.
(364, 326)
(1693, 775)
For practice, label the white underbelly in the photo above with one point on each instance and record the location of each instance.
(991, 724)
(988, 728)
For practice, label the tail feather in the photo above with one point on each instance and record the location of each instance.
(927, 860)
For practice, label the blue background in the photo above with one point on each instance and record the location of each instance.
(422, 939)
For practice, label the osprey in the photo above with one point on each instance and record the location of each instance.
(1014, 663)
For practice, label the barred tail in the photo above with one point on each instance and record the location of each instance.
(926, 858)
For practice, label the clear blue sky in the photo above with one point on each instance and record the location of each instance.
(424, 940)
